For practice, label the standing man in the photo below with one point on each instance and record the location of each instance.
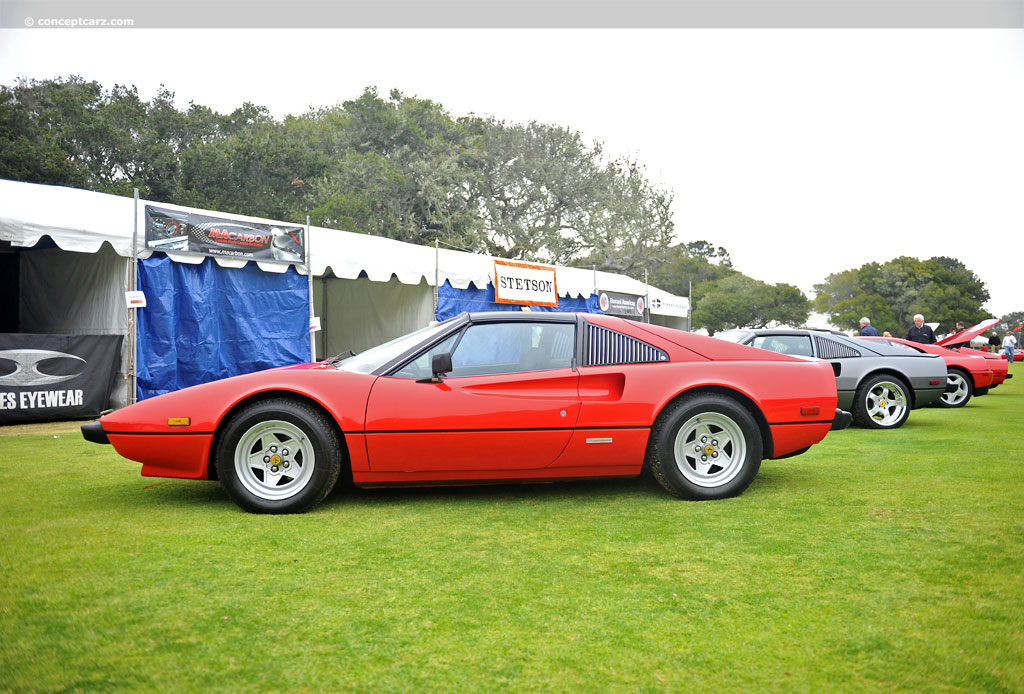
(919, 332)
(993, 343)
(866, 329)
(1009, 342)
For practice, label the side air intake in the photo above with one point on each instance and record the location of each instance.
(605, 347)
(830, 349)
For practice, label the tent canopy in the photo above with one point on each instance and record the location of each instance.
(82, 221)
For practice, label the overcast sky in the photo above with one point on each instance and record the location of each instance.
(802, 152)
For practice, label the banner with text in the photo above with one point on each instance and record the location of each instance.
(524, 283)
(45, 378)
(621, 304)
(186, 232)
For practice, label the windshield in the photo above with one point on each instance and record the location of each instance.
(737, 336)
(376, 357)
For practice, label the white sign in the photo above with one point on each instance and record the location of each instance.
(314, 324)
(524, 283)
(135, 299)
(665, 304)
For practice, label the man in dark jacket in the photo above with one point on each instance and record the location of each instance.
(919, 332)
(866, 329)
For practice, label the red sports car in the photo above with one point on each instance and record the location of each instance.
(961, 343)
(966, 375)
(490, 397)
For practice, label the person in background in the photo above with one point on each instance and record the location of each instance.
(993, 343)
(958, 329)
(919, 332)
(1009, 342)
(887, 334)
(866, 329)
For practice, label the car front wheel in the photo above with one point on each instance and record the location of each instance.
(959, 389)
(705, 446)
(278, 456)
(882, 402)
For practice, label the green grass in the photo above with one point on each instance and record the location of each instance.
(878, 561)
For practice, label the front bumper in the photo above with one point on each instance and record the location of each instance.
(93, 431)
(841, 420)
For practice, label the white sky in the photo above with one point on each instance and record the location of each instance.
(803, 152)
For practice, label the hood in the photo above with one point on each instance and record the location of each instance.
(969, 334)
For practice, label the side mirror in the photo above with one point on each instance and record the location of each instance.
(441, 364)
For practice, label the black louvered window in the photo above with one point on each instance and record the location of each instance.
(830, 349)
(605, 347)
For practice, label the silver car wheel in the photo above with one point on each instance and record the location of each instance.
(274, 460)
(955, 397)
(885, 403)
(710, 449)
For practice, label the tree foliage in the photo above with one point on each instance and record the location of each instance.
(940, 288)
(1011, 321)
(738, 301)
(395, 166)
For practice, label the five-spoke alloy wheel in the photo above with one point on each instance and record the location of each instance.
(882, 402)
(705, 446)
(959, 389)
(278, 456)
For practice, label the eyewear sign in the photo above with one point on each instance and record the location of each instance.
(186, 232)
(524, 283)
(621, 304)
(52, 377)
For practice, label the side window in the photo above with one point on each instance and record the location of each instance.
(785, 344)
(500, 348)
(420, 366)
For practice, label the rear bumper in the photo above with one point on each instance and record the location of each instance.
(93, 432)
(841, 420)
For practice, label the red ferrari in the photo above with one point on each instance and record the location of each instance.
(490, 397)
(966, 375)
(961, 344)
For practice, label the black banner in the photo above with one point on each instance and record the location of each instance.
(621, 304)
(185, 232)
(44, 378)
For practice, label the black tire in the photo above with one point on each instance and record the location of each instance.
(264, 443)
(732, 437)
(964, 389)
(882, 402)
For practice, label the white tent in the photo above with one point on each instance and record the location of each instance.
(367, 289)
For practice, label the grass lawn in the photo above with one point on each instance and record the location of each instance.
(878, 561)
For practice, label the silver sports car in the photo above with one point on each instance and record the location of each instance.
(879, 383)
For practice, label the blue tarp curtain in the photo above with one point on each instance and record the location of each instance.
(452, 302)
(204, 322)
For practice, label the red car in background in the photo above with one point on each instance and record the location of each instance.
(961, 343)
(966, 375)
(490, 397)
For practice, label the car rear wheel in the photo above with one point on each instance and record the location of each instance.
(882, 402)
(278, 456)
(705, 446)
(963, 389)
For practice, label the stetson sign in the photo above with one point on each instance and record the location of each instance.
(186, 232)
(52, 377)
(524, 283)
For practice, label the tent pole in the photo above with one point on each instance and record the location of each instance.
(647, 297)
(437, 275)
(309, 285)
(133, 285)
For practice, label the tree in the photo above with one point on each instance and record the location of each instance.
(941, 288)
(738, 301)
(1011, 321)
(684, 269)
(403, 170)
